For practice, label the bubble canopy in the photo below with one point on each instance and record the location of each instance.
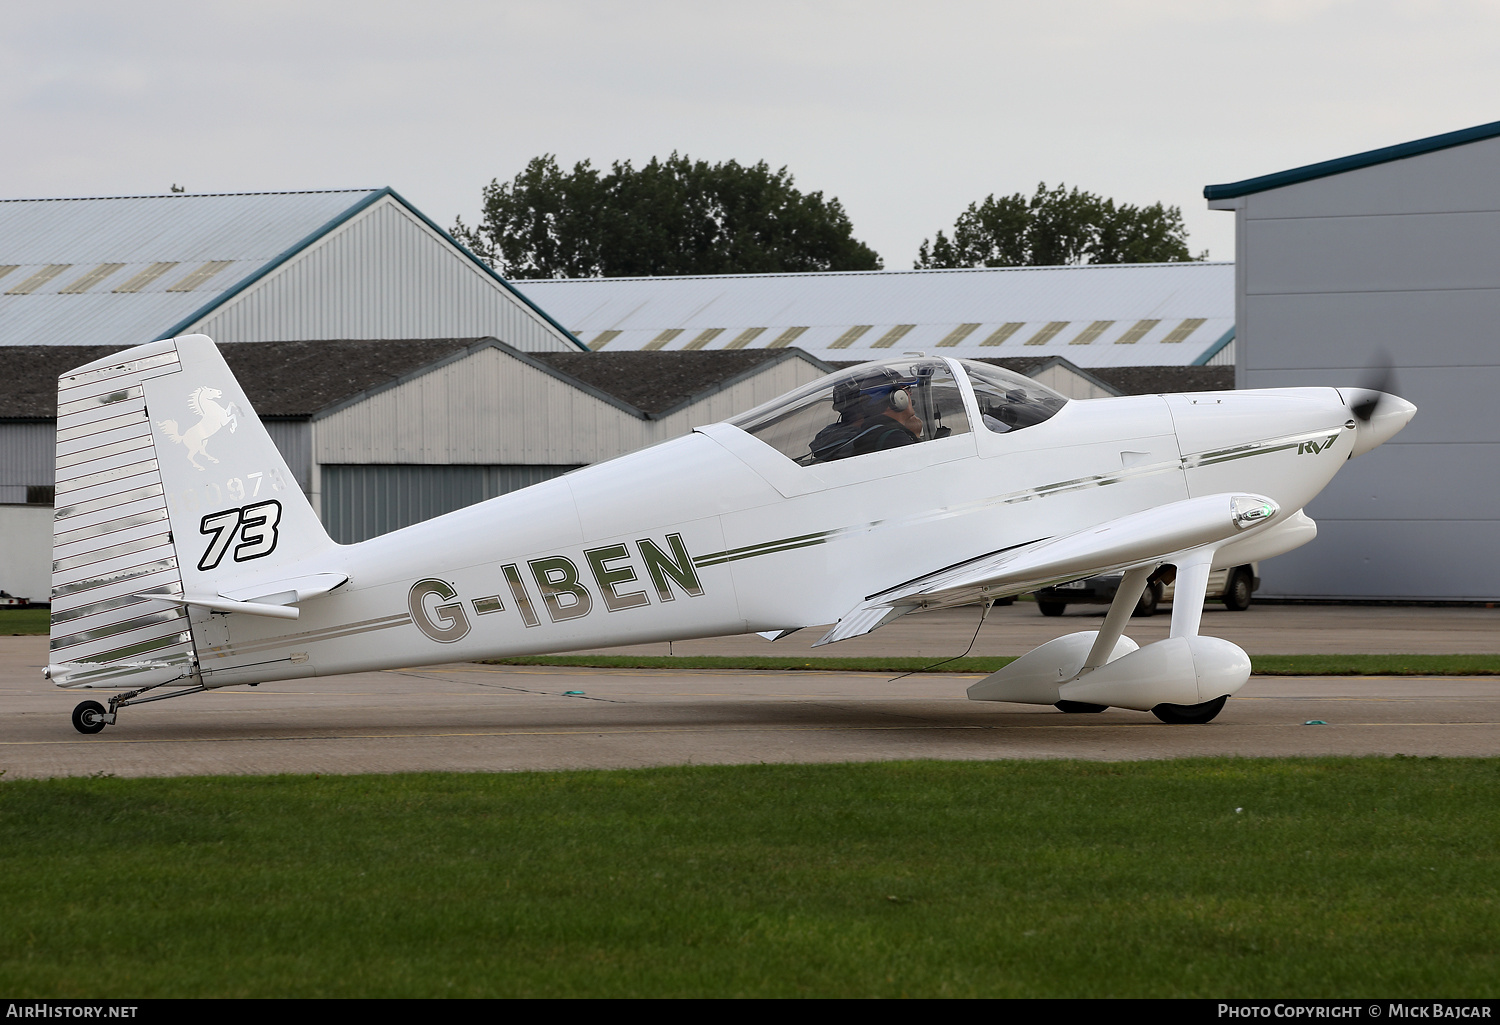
(895, 403)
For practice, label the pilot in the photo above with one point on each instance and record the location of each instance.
(875, 413)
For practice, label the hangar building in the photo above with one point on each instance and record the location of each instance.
(254, 267)
(1393, 254)
(1123, 315)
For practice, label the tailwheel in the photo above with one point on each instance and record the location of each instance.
(88, 717)
(1078, 706)
(1190, 714)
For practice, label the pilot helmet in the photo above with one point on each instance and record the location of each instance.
(870, 391)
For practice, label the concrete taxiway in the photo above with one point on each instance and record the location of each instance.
(469, 717)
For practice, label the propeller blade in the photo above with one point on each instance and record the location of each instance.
(1379, 381)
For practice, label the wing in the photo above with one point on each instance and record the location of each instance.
(1154, 536)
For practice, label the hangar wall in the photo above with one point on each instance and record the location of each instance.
(490, 408)
(27, 530)
(1399, 259)
(28, 457)
(360, 502)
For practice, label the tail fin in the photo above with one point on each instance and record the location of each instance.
(169, 489)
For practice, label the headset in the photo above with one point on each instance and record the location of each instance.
(871, 393)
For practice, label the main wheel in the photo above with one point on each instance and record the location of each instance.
(1237, 591)
(1052, 608)
(1184, 715)
(88, 717)
(1078, 706)
(1150, 598)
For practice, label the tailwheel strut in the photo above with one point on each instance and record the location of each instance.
(90, 716)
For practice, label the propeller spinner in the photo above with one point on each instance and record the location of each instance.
(1380, 414)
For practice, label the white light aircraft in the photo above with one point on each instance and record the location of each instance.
(186, 558)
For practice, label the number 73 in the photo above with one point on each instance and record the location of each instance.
(256, 526)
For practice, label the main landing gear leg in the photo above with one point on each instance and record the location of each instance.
(1132, 586)
(1187, 615)
(1129, 594)
(90, 716)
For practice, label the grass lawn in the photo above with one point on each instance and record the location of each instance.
(1208, 878)
(25, 621)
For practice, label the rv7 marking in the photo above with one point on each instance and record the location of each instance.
(256, 525)
(1313, 448)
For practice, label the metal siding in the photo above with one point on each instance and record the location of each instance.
(361, 502)
(1396, 559)
(293, 439)
(486, 408)
(1223, 358)
(25, 557)
(28, 454)
(384, 274)
(492, 409)
(502, 480)
(1451, 328)
(1407, 252)
(1399, 259)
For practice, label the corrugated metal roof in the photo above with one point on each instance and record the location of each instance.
(200, 247)
(1156, 314)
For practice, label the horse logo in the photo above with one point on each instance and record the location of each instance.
(213, 416)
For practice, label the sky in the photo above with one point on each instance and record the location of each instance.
(904, 112)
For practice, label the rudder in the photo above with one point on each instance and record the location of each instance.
(167, 485)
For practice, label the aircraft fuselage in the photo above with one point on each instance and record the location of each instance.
(718, 533)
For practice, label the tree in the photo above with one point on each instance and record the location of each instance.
(673, 216)
(1058, 226)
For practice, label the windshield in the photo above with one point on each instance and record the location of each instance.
(1007, 400)
(869, 408)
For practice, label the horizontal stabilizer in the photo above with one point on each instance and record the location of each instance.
(250, 608)
(287, 592)
(269, 598)
(1153, 536)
